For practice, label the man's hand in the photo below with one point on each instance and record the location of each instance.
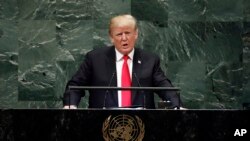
(70, 107)
(181, 108)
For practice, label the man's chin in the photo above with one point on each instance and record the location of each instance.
(126, 51)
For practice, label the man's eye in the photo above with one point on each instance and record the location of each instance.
(127, 33)
(119, 34)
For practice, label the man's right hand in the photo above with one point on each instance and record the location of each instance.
(70, 107)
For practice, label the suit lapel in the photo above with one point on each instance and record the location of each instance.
(136, 71)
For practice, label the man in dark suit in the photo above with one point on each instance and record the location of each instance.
(106, 67)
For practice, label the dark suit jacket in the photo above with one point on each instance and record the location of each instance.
(99, 69)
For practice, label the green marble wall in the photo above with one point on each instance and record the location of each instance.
(204, 46)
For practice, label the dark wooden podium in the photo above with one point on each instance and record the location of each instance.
(97, 124)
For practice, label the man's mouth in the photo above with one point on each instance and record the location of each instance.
(124, 45)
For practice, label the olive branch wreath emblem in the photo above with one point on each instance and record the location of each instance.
(106, 126)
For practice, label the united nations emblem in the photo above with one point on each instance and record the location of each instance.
(123, 128)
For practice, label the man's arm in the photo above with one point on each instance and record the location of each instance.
(160, 80)
(81, 78)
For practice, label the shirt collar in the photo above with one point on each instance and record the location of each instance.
(119, 56)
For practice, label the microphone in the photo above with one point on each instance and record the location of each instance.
(107, 91)
(144, 96)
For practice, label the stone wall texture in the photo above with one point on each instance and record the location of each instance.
(204, 46)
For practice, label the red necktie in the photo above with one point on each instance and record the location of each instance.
(126, 82)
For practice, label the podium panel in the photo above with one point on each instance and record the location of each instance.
(123, 124)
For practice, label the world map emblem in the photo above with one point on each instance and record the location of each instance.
(123, 128)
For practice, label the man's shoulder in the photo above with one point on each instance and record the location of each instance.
(146, 53)
(101, 50)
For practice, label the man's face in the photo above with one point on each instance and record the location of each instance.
(124, 36)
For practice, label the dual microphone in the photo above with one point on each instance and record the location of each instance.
(110, 82)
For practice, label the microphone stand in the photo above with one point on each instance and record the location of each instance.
(142, 91)
(107, 91)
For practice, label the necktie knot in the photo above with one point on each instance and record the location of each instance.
(125, 57)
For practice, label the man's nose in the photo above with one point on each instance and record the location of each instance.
(124, 36)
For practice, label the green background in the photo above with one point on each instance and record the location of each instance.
(204, 46)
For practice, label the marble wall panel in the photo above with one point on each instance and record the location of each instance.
(223, 41)
(151, 10)
(8, 64)
(36, 9)
(203, 46)
(187, 10)
(246, 10)
(224, 10)
(225, 81)
(74, 10)
(37, 53)
(8, 9)
(108, 8)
